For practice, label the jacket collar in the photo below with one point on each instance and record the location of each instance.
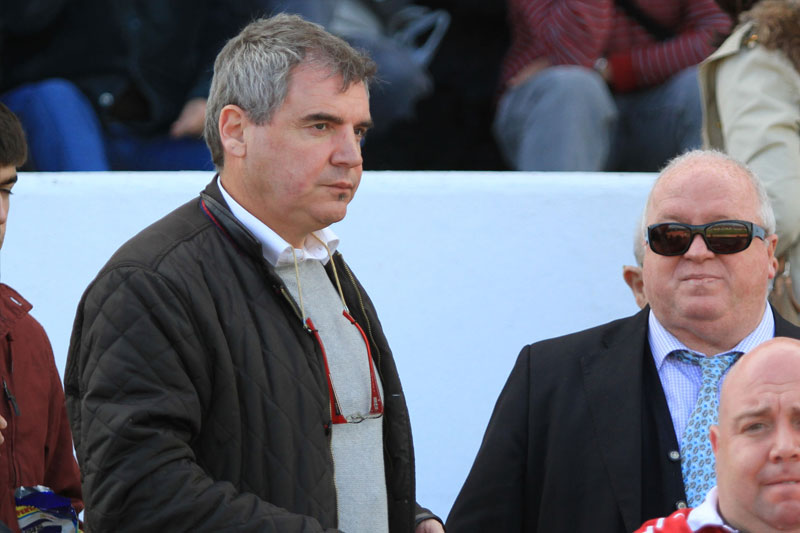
(214, 207)
(12, 308)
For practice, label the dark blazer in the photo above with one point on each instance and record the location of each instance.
(563, 449)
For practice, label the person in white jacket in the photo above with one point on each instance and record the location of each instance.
(751, 99)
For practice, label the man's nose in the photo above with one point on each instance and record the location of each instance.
(347, 152)
(698, 249)
(786, 446)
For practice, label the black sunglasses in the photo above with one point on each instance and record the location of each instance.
(721, 237)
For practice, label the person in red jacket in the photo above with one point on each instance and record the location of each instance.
(757, 448)
(36, 446)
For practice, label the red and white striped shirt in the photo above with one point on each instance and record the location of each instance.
(703, 519)
(578, 32)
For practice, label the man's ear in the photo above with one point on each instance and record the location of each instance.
(633, 277)
(713, 434)
(772, 243)
(232, 124)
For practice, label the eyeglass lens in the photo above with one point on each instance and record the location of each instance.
(720, 237)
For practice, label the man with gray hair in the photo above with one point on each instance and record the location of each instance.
(227, 372)
(601, 430)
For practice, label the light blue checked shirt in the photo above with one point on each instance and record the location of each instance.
(681, 381)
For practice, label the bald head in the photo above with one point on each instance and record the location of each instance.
(757, 440)
(731, 166)
(759, 365)
(710, 301)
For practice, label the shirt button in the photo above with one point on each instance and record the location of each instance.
(674, 455)
(680, 505)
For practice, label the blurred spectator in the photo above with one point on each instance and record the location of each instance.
(603, 85)
(104, 85)
(400, 36)
(751, 94)
(452, 130)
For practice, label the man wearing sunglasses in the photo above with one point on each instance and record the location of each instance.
(601, 430)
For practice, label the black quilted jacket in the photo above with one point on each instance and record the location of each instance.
(196, 399)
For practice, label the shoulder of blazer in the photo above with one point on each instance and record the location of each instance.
(622, 333)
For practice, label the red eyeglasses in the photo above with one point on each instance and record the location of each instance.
(376, 404)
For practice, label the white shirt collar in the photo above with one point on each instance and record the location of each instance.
(274, 248)
(662, 342)
(707, 514)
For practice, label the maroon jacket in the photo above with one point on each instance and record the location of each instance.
(38, 443)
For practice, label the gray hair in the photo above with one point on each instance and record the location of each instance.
(765, 206)
(253, 69)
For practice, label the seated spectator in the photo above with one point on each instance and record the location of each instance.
(592, 85)
(751, 96)
(386, 30)
(114, 85)
(36, 441)
(757, 448)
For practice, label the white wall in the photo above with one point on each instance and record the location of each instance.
(464, 268)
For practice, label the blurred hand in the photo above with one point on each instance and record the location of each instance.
(430, 526)
(3, 425)
(528, 71)
(191, 120)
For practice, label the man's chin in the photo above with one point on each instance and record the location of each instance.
(781, 506)
(703, 308)
(335, 213)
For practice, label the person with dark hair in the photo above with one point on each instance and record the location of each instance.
(751, 110)
(36, 443)
(227, 371)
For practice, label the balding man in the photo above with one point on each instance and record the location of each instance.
(601, 430)
(757, 449)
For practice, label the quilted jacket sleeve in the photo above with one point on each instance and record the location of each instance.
(137, 365)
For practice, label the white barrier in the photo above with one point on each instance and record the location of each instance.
(464, 269)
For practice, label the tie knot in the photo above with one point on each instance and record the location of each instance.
(711, 366)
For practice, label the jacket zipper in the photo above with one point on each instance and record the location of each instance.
(289, 299)
(12, 456)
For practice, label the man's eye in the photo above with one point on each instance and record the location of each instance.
(320, 127)
(754, 427)
(360, 132)
(6, 192)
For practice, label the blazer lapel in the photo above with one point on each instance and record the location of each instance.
(613, 382)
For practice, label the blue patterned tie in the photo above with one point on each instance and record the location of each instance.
(697, 459)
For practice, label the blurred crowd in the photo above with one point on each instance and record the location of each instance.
(122, 85)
